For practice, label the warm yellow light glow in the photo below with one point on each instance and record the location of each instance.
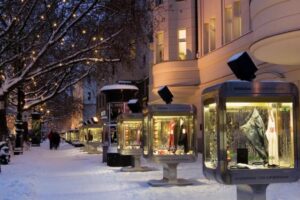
(95, 119)
(253, 104)
(42, 17)
(83, 31)
(54, 24)
(94, 38)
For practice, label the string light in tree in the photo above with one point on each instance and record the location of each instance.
(54, 24)
(83, 31)
(94, 38)
(42, 17)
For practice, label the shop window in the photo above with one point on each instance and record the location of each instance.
(182, 44)
(160, 47)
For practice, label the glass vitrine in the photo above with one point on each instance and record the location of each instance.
(250, 132)
(129, 129)
(170, 138)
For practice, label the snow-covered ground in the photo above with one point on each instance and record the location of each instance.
(68, 173)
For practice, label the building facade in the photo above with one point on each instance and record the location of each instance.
(193, 40)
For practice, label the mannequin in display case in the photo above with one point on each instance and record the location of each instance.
(272, 139)
(138, 136)
(171, 140)
(183, 136)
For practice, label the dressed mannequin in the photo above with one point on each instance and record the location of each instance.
(272, 140)
(183, 136)
(172, 125)
(138, 136)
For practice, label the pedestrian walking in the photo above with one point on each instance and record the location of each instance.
(56, 140)
(50, 137)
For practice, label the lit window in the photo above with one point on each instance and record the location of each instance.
(209, 36)
(228, 24)
(160, 47)
(232, 21)
(182, 44)
(237, 19)
(212, 34)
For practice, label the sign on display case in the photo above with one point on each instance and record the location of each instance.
(170, 138)
(129, 129)
(250, 134)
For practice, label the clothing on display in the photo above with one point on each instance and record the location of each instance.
(172, 125)
(272, 140)
(254, 129)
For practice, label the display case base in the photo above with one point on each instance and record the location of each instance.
(252, 192)
(170, 177)
(117, 160)
(167, 182)
(136, 169)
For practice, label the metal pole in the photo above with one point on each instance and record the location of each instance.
(252, 192)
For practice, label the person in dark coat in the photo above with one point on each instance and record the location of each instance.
(50, 137)
(56, 140)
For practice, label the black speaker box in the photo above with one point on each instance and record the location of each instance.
(165, 94)
(242, 66)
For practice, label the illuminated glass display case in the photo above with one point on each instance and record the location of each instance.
(91, 137)
(170, 138)
(129, 129)
(250, 132)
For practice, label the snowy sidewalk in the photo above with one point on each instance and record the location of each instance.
(69, 174)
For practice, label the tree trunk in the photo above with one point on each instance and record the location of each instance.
(3, 122)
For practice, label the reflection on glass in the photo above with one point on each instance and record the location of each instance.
(173, 135)
(145, 136)
(210, 129)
